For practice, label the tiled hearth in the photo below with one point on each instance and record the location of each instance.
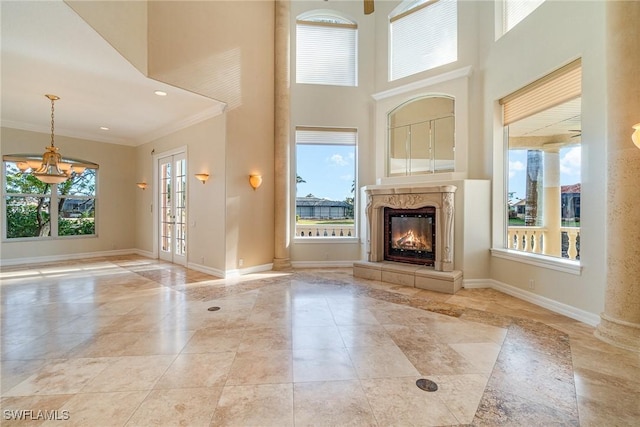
(442, 277)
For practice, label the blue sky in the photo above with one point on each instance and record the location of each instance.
(569, 169)
(327, 169)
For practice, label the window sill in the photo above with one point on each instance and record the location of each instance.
(557, 264)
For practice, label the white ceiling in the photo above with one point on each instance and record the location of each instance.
(48, 48)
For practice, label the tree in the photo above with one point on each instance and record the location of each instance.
(29, 204)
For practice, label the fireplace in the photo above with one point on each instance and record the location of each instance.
(410, 235)
(437, 199)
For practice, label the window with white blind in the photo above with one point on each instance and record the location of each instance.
(543, 132)
(514, 11)
(326, 50)
(325, 182)
(423, 35)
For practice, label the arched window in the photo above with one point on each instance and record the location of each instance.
(423, 35)
(422, 137)
(326, 50)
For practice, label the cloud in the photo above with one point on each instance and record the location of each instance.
(347, 177)
(571, 161)
(338, 160)
(515, 167)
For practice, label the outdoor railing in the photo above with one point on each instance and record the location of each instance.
(531, 239)
(325, 230)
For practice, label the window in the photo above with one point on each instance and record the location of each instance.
(326, 50)
(325, 182)
(423, 35)
(38, 210)
(543, 136)
(514, 11)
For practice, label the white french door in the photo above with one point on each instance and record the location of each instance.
(172, 197)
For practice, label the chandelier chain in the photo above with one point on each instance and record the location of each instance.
(52, 109)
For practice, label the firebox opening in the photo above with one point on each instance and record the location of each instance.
(410, 235)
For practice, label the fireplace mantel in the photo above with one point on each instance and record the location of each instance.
(412, 197)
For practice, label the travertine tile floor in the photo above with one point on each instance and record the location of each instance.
(130, 341)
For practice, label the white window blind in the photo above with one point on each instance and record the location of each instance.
(325, 136)
(516, 10)
(326, 53)
(558, 87)
(423, 38)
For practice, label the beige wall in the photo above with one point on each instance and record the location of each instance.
(204, 145)
(116, 202)
(121, 23)
(225, 50)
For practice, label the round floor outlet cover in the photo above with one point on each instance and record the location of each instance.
(426, 385)
(213, 308)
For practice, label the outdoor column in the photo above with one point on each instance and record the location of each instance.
(551, 203)
(620, 322)
(282, 165)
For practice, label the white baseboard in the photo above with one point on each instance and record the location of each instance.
(204, 269)
(66, 257)
(146, 254)
(226, 274)
(322, 264)
(476, 283)
(555, 306)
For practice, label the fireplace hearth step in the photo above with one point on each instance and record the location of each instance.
(415, 276)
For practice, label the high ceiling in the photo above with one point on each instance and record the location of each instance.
(48, 49)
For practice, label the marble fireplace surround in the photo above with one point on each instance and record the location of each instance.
(441, 277)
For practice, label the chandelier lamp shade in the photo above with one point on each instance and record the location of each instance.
(635, 137)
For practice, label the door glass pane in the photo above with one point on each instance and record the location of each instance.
(165, 207)
(180, 214)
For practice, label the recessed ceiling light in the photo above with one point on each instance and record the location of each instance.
(160, 93)
(104, 128)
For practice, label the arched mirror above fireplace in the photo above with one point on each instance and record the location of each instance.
(421, 137)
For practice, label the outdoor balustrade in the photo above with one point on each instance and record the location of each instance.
(531, 239)
(325, 230)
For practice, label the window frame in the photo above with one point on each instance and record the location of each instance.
(408, 10)
(539, 95)
(356, 196)
(502, 15)
(54, 199)
(321, 19)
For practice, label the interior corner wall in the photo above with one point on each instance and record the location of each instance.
(115, 195)
(122, 23)
(225, 50)
(556, 33)
(205, 147)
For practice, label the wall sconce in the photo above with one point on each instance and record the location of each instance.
(636, 135)
(255, 181)
(202, 177)
(142, 185)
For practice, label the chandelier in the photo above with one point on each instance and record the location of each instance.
(49, 171)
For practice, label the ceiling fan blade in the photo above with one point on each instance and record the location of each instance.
(368, 7)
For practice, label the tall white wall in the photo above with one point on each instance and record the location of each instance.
(337, 106)
(553, 35)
